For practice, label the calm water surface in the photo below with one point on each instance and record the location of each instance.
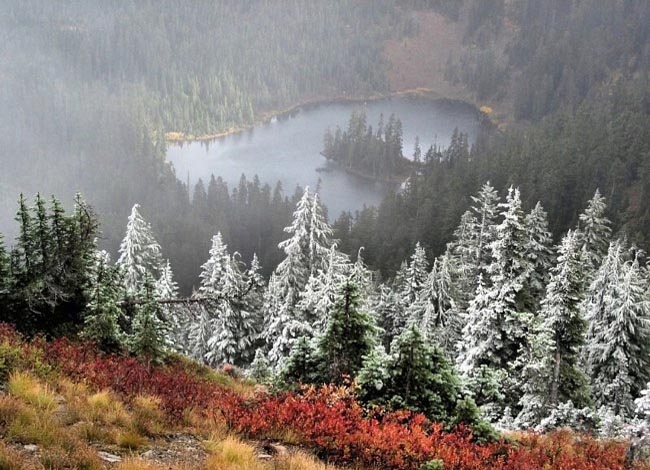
(288, 149)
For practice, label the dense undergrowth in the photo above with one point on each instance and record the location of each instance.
(128, 401)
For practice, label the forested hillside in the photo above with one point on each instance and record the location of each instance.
(89, 91)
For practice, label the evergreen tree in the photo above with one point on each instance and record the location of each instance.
(147, 339)
(486, 212)
(103, 314)
(260, 369)
(322, 289)
(462, 250)
(306, 252)
(415, 276)
(350, 335)
(421, 378)
(302, 366)
(177, 323)
(540, 253)
(235, 329)
(139, 252)
(213, 271)
(498, 316)
(166, 288)
(595, 230)
(553, 373)
(618, 313)
(436, 310)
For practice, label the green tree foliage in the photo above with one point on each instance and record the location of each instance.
(147, 338)
(374, 154)
(50, 267)
(102, 322)
(416, 376)
(349, 336)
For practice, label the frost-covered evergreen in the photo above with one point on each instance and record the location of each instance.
(462, 250)
(166, 287)
(435, 310)
(260, 369)
(306, 252)
(390, 314)
(320, 237)
(213, 271)
(486, 210)
(553, 373)
(235, 326)
(498, 317)
(139, 252)
(595, 231)
(539, 252)
(101, 323)
(322, 288)
(414, 276)
(618, 313)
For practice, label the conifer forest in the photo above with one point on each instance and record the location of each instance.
(482, 300)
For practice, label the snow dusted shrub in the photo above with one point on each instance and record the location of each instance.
(565, 415)
(612, 425)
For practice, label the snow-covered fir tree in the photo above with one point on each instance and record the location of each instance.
(540, 252)
(414, 276)
(389, 314)
(618, 349)
(236, 328)
(166, 287)
(595, 231)
(213, 271)
(435, 310)
(306, 252)
(553, 373)
(139, 252)
(486, 213)
(498, 319)
(322, 289)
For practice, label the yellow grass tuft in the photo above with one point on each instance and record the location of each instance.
(26, 387)
(147, 415)
(104, 407)
(130, 440)
(10, 459)
(232, 454)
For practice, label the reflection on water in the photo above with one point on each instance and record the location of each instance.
(288, 149)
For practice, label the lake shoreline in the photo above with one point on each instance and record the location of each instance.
(180, 138)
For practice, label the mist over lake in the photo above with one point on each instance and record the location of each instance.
(288, 148)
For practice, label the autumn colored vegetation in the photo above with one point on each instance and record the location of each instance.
(326, 420)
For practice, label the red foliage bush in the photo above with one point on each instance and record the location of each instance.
(327, 419)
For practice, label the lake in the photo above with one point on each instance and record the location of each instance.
(288, 148)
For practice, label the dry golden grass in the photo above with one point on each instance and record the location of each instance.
(10, 459)
(148, 418)
(26, 387)
(104, 407)
(129, 439)
(232, 454)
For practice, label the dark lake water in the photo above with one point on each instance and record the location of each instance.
(288, 149)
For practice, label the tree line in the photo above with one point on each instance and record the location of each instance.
(505, 326)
